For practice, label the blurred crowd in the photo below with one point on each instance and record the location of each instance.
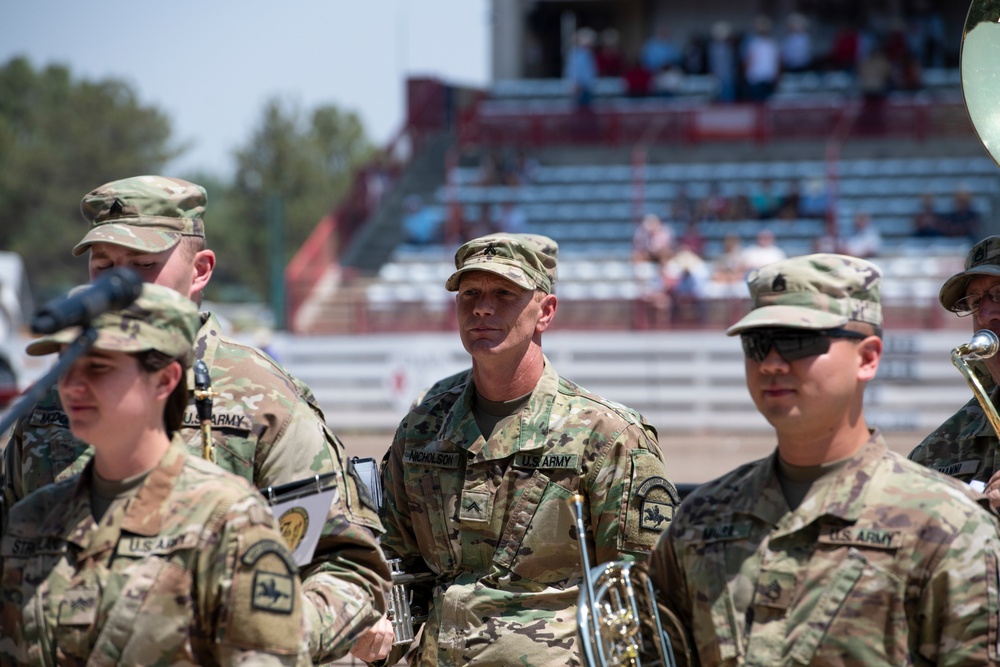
(882, 53)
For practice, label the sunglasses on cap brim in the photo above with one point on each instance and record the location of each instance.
(792, 344)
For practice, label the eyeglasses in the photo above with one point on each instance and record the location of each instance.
(792, 344)
(970, 305)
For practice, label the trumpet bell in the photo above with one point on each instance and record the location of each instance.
(623, 627)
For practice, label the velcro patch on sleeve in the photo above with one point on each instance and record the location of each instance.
(265, 607)
(651, 500)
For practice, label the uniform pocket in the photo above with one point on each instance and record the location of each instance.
(430, 518)
(152, 619)
(861, 606)
(538, 539)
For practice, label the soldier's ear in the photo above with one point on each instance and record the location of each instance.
(203, 265)
(167, 379)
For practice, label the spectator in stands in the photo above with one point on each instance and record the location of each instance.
(685, 278)
(874, 78)
(865, 241)
(659, 52)
(652, 241)
(963, 219)
(609, 55)
(927, 221)
(814, 201)
(694, 56)
(422, 225)
(740, 208)
(728, 268)
(790, 203)
(525, 167)
(846, 51)
(692, 238)
(669, 81)
(764, 200)
(723, 62)
(638, 79)
(581, 68)
(682, 208)
(927, 34)
(762, 61)
(796, 45)
(490, 168)
(513, 219)
(763, 252)
(713, 206)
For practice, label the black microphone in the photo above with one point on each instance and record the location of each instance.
(113, 290)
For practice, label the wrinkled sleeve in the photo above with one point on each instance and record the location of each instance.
(959, 609)
(671, 597)
(348, 581)
(630, 499)
(10, 472)
(252, 591)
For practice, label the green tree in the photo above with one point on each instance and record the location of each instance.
(60, 138)
(305, 159)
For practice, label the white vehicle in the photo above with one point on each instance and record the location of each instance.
(16, 304)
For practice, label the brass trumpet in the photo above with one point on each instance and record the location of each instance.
(619, 623)
(984, 344)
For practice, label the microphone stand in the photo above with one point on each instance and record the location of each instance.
(37, 391)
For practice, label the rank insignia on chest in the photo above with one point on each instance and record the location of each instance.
(475, 506)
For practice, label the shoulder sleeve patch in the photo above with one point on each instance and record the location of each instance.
(650, 502)
(264, 611)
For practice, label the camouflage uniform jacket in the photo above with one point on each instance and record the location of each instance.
(884, 563)
(191, 569)
(965, 446)
(265, 431)
(492, 519)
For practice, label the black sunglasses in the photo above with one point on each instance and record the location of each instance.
(791, 344)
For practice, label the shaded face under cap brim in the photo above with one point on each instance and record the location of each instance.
(955, 287)
(134, 238)
(791, 317)
(511, 272)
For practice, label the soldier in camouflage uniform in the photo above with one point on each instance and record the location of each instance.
(834, 550)
(150, 555)
(479, 477)
(966, 446)
(266, 427)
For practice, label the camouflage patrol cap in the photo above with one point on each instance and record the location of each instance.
(821, 291)
(160, 319)
(146, 213)
(983, 260)
(527, 260)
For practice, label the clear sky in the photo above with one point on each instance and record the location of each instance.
(211, 64)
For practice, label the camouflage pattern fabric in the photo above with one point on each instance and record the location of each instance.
(964, 446)
(527, 260)
(820, 291)
(191, 570)
(145, 213)
(269, 434)
(492, 520)
(884, 563)
(158, 319)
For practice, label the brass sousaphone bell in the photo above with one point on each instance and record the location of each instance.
(980, 69)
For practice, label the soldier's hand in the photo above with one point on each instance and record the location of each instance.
(375, 643)
(992, 490)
